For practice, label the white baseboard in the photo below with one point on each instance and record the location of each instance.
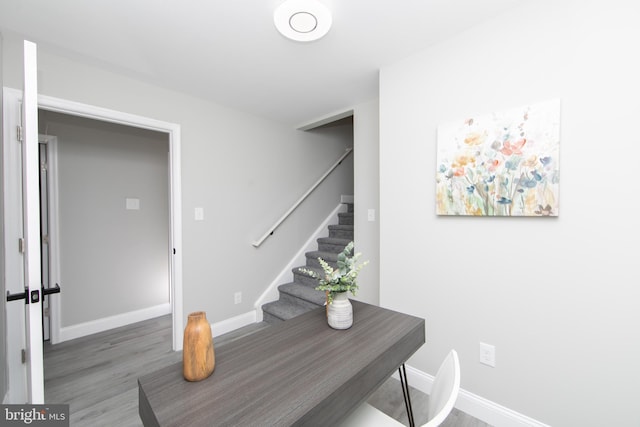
(228, 325)
(286, 274)
(474, 405)
(106, 323)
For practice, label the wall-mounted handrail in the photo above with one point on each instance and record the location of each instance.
(273, 228)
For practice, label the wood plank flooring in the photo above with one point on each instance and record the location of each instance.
(97, 376)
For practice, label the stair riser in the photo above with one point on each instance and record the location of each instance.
(329, 247)
(297, 301)
(305, 279)
(270, 318)
(345, 218)
(313, 262)
(341, 234)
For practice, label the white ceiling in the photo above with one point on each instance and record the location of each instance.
(231, 53)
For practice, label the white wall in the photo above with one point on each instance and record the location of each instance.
(366, 191)
(243, 170)
(113, 260)
(557, 297)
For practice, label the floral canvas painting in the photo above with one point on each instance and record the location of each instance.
(500, 164)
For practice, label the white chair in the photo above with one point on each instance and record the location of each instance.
(441, 400)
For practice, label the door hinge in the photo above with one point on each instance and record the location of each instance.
(21, 245)
(23, 356)
(45, 239)
(19, 133)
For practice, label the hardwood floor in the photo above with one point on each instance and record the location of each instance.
(97, 375)
(388, 398)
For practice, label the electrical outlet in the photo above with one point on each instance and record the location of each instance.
(488, 354)
(237, 297)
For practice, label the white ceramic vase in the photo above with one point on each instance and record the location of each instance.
(340, 312)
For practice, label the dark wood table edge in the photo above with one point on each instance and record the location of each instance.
(410, 343)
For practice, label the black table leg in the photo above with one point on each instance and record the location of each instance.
(405, 392)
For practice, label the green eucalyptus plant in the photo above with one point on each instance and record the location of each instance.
(341, 279)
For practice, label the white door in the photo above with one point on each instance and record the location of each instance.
(31, 228)
(22, 225)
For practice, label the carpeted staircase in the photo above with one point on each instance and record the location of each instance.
(300, 296)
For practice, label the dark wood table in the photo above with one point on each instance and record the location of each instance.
(298, 372)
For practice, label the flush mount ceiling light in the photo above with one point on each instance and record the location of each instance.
(302, 20)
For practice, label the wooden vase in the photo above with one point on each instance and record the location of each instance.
(198, 358)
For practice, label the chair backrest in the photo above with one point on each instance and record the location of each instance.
(445, 390)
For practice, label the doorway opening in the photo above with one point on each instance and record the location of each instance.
(104, 225)
(140, 126)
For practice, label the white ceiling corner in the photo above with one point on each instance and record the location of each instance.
(231, 53)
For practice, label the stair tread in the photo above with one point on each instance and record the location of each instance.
(283, 310)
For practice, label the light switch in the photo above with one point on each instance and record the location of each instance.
(199, 214)
(371, 214)
(132, 204)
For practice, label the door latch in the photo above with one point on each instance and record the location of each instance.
(21, 295)
(49, 291)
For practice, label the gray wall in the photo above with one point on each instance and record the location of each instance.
(244, 171)
(112, 260)
(557, 297)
